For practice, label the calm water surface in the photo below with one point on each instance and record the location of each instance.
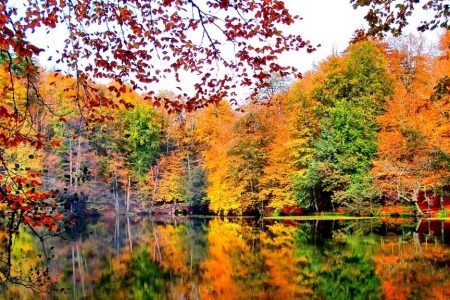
(197, 258)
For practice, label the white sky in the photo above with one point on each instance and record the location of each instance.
(330, 23)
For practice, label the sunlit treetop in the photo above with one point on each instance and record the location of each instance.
(224, 44)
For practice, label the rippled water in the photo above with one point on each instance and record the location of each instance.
(242, 258)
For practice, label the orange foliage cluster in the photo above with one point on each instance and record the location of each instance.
(396, 221)
(415, 130)
(20, 189)
(395, 209)
(397, 263)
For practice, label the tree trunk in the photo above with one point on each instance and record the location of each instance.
(78, 164)
(129, 233)
(189, 167)
(156, 241)
(428, 200)
(115, 194)
(74, 274)
(415, 199)
(315, 201)
(81, 270)
(155, 175)
(70, 163)
(117, 234)
(128, 194)
(9, 248)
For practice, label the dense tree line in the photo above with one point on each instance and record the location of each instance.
(366, 125)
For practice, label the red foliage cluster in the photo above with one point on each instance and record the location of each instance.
(28, 202)
(10, 134)
(141, 42)
(292, 210)
(19, 193)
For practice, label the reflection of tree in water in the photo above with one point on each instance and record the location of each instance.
(340, 258)
(24, 259)
(28, 266)
(134, 258)
(234, 267)
(346, 269)
(93, 248)
(138, 277)
(289, 271)
(415, 264)
(114, 249)
(165, 262)
(369, 260)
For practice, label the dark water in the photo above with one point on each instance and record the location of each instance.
(144, 258)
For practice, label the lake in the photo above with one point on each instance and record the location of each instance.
(234, 258)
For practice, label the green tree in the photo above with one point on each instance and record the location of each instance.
(352, 96)
(141, 138)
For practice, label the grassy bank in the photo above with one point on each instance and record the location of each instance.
(318, 217)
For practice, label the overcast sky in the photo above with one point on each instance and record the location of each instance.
(330, 23)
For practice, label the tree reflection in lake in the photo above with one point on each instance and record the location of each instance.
(24, 259)
(182, 258)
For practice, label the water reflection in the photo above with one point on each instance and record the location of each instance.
(24, 259)
(145, 258)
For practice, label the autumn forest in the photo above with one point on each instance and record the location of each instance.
(366, 127)
(110, 185)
